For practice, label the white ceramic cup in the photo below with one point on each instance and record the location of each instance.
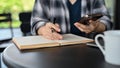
(111, 48)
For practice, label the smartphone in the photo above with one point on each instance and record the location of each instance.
(85, 19)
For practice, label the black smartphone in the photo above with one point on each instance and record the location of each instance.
(85, 19)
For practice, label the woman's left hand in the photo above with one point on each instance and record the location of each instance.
(93, 26)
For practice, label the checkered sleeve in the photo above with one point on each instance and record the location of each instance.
(38, 17)
(99, 7)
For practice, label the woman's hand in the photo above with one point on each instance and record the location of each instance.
(47, 31)
(94, 26)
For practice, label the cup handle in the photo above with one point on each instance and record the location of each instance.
(98, 43)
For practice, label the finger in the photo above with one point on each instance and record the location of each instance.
(48, 36)
(47, 33)
(92, 22)
(57, 36)
(51, 25)
(80, 26)
(57, 25)
(87, 31)
(52, 36)
(84, 28)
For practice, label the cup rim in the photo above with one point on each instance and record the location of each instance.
(112, 33)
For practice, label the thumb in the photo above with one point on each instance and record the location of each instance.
(57, 25)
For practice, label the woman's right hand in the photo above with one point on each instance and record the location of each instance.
(47, 31)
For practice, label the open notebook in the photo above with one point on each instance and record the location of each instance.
(31, 42)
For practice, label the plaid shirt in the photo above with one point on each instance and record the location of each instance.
(46, 10)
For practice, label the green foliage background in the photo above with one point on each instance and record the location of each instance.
(15, 7)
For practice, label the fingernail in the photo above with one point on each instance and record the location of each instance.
(58, 29)
(90, 20)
